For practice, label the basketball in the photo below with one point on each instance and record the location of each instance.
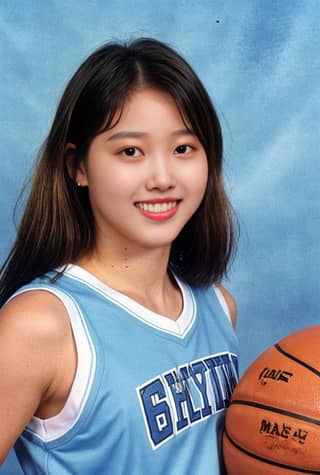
(272, 425)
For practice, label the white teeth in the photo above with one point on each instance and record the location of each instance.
(157, 207)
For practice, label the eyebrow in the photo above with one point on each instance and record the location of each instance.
(124, 134)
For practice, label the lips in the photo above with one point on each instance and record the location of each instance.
(158, 209)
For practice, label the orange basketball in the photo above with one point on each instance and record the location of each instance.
(273, 422)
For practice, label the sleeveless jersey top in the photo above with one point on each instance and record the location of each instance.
(149, 394)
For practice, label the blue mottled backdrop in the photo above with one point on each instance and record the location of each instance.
(260, 61)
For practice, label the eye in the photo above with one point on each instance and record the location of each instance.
(184, 148)
(130, 152)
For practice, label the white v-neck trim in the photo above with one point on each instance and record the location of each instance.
(179, 327)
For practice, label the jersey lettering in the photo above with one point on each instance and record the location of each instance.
(181, 397)
(157, 411)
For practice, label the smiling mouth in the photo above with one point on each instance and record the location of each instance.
(157, 207)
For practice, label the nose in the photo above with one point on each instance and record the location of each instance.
(161, 173)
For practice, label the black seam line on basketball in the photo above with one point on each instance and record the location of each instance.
(277, 410)
(270, 462)
(297, 360)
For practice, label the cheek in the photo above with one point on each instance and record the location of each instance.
(198, 177)
(203, 175)
(110, 180)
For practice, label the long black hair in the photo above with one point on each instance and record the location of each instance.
(57, 225)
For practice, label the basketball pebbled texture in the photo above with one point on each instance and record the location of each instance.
(273, 422)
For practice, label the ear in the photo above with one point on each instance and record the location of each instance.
(76, 167)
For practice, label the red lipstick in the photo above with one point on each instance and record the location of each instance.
(158, 209)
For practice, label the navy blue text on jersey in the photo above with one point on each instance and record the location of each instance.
(184, 396)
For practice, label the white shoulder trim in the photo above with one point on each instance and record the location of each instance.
(56, 426)
(223, 302)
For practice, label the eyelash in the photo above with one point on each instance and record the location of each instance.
(125, 151)
(185, 145)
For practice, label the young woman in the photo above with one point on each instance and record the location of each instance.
(118, 354)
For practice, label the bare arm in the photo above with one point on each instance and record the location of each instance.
(35, 338)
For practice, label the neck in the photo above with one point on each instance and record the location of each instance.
(141, 274)
(128, 269)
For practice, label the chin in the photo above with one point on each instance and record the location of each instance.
(158, 243)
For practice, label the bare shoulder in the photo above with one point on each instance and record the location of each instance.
(34, 330)
(33, 327)
(38, 325)
(230, 301)
(35, 315)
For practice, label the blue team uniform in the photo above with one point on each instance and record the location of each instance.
(149, 394)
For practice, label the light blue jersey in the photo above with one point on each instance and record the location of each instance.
(149, 394)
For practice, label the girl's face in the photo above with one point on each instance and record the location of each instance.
(146, 176)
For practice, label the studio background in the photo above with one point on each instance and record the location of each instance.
(259, 60)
